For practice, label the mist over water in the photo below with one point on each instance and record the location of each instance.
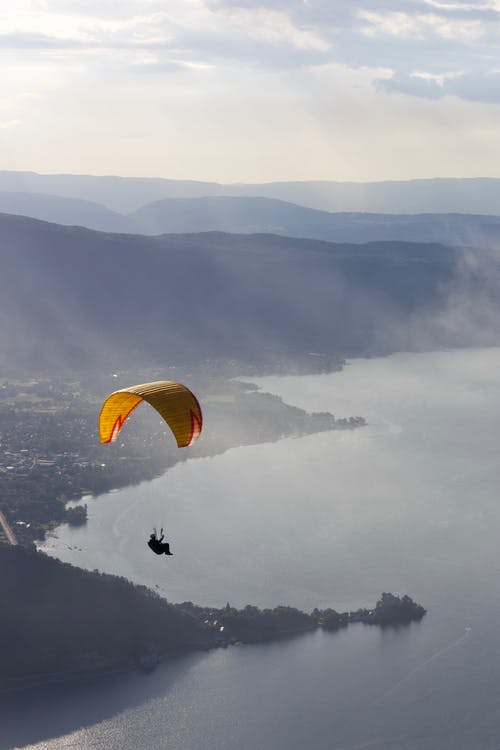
(408, 504)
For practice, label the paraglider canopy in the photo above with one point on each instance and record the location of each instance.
(176, 404)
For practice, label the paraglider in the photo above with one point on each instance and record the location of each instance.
(173, 401)
(158, 545)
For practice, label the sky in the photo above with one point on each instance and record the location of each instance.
(251, 91)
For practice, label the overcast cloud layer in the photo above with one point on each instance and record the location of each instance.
(251, 91)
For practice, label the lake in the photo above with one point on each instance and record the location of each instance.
(407, 504)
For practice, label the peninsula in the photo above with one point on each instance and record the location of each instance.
(60, 622)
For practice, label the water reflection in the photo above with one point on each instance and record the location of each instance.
(40, 714)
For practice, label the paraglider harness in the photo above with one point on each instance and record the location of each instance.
(158, 546)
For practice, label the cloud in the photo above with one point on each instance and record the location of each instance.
(275, 26)
(470, 315)
(491, 6)
(403, 36)
(474, 88)
(423, 25)
(23, 40)
(457, 40)
(313, 88)
(154, 65)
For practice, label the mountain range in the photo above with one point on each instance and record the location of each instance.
(114, 269)
(249, 215)
(127, 194)
(73, 297)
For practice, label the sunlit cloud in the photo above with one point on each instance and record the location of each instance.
(453, 6)
(421, 25)
(487, 5)
(439, 78)
(274, 26)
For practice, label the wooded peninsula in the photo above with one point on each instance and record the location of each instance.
(60, 622)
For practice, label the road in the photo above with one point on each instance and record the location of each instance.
(7, 530)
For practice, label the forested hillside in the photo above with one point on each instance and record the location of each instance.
(71, 297)
(59, 620)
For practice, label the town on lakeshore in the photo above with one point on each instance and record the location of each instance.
(50, 451)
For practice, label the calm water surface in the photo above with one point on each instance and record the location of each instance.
(408, 504)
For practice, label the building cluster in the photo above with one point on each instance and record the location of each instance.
(50, 453)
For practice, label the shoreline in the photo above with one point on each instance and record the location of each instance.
(76, 465)
(227, 627)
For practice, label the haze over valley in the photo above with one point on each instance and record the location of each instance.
(254, 298)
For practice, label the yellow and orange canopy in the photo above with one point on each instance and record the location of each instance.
(176, 404)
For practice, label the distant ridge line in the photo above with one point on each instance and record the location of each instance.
(127, 194)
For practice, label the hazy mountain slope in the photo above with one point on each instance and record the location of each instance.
(123, 194)
(69, 211)
(70, 296)
(227, 214)
(477, 196)
(255, 215)
(126, 194)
